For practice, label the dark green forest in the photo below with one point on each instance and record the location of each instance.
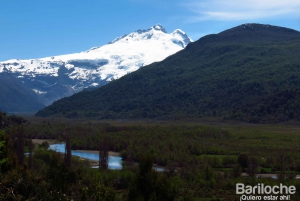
(280, 107)
(219, 75)
(202, 162)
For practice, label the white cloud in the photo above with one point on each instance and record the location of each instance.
(223, 10)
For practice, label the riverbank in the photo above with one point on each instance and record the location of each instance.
(110, 153)
(114, 162)
(92, 162)
(50, 142)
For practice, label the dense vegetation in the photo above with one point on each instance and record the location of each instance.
(215, 76)
(16, 97)
(6, 121)
(281, 106)
(201, 162)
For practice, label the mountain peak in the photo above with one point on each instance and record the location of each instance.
(255, 33)
(159, 27)
(156, 32)
(255, 27)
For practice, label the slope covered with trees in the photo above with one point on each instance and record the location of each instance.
(281, 106)
(214, 76)
(16, 97)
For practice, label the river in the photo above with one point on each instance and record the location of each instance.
(114, 162)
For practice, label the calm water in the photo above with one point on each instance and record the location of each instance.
(114, 162)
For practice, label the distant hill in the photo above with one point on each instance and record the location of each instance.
(215, 76)
(16, 97)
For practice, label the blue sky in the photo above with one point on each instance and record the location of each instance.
(40, 28)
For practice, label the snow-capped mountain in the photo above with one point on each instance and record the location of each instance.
(58, 76)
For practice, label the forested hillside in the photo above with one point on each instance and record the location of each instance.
(217, 75)
(17, 97)
(281, 106)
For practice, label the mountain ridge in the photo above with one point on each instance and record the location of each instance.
(54, 77)
(210, 77)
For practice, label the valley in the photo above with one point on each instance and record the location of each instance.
(202, 159)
